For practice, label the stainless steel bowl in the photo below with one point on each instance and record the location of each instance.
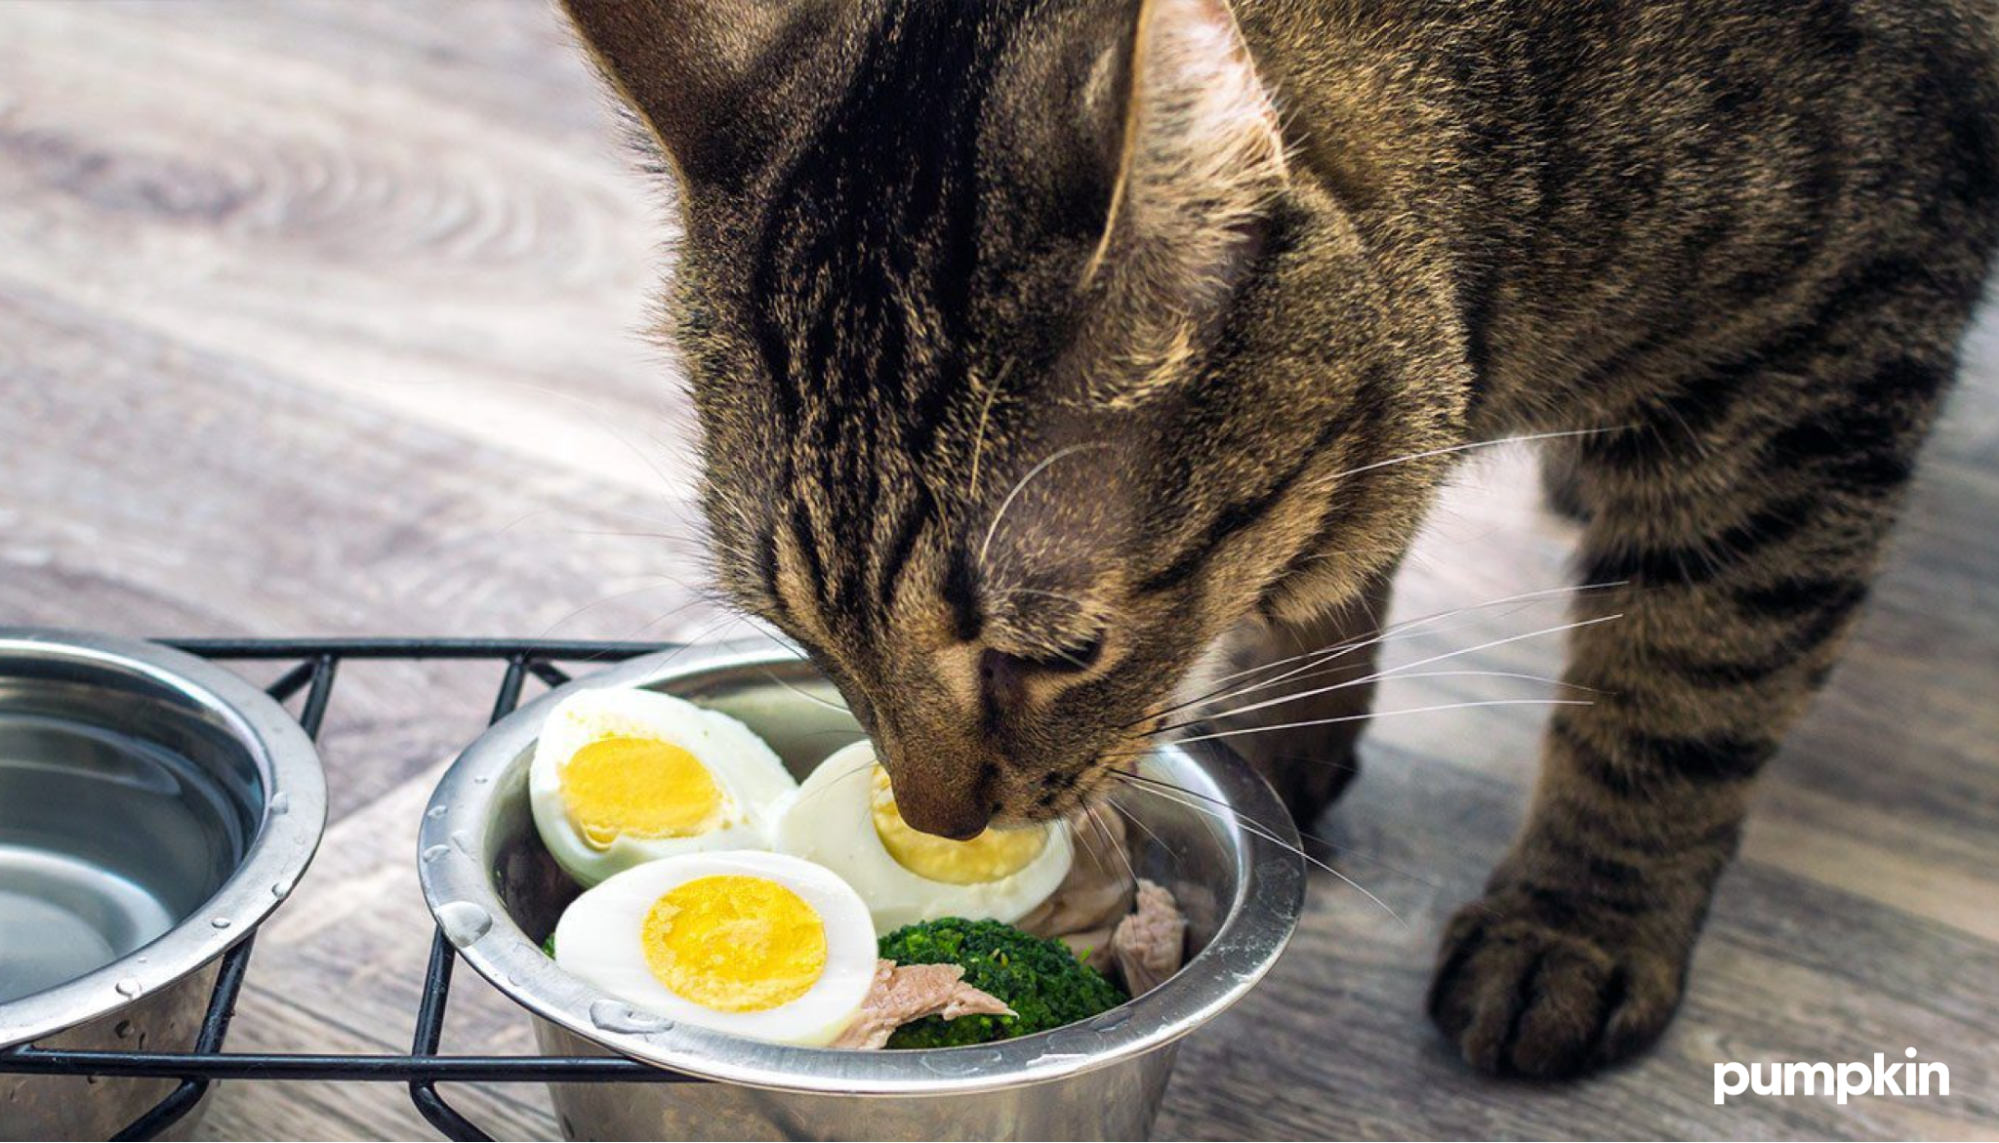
(153, 809)
(496, 894)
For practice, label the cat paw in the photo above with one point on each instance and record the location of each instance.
(1523, 989)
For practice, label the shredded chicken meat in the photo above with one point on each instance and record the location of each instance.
(1149, 945)
(905, 993)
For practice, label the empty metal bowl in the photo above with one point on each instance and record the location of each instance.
(496, 893)
(153, 809)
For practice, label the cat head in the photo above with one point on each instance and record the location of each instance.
(1024, 368)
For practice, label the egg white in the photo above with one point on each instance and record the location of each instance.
(830, 820)
(598, 940)
(750, 775)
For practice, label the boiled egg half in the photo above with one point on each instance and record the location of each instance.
(621, 777)
(755, 944)
(844, 817)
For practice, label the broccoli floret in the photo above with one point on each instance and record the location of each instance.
(1039, 979)
(548, 946)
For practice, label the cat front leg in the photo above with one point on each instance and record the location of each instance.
(1745, 528)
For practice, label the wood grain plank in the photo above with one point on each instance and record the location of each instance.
(323, 316)
(155, 488)
(365, 233)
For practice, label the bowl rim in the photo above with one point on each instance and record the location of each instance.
(278, 852)
(1269, 896)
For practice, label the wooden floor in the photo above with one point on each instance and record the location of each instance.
(318, 318)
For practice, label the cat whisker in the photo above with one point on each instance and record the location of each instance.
(835, 783)
(1328, 763)
(1329, 652)
(1409, 626)
(1308, 671)
(1393, 671)
(1090, 847)
(979, 441)
(993, 528)
(1242, 821)
(811, 698)
(1403, 673)
(1471, 446)
(1134, 819)
(776, 637)
(1525, 676)
(1316, 839)
(615, 596)
(1086, 843)
(1439, 708)
(669, 537)
(688, 645)
(1090, 812)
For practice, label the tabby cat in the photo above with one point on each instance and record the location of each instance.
(1041, 347)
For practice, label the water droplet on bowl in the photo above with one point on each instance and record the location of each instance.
(129, 987)
(436, 812)
(281, 889)
(960, 1061)
(435, 852)
(462, 921)
(480, 779)
(1113, 1020)
(612, 1016)
(281, 803)
(1056, 1058)
(461, 841)
(1278, 867)
(123, 1030)
(220, 922)
(1076, 1042)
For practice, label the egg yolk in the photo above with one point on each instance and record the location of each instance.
(734, 943)
(641, 787)
(988, 857)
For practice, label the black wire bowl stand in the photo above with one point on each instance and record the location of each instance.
(315, 669)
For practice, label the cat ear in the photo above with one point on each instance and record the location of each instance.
(1200, 160)
(1201, 151)
(699, 72)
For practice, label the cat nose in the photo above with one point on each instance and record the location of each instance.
(956, 817)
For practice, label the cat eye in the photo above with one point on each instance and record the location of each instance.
(1004, 676)
(1071, 659)
(1078, 656)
